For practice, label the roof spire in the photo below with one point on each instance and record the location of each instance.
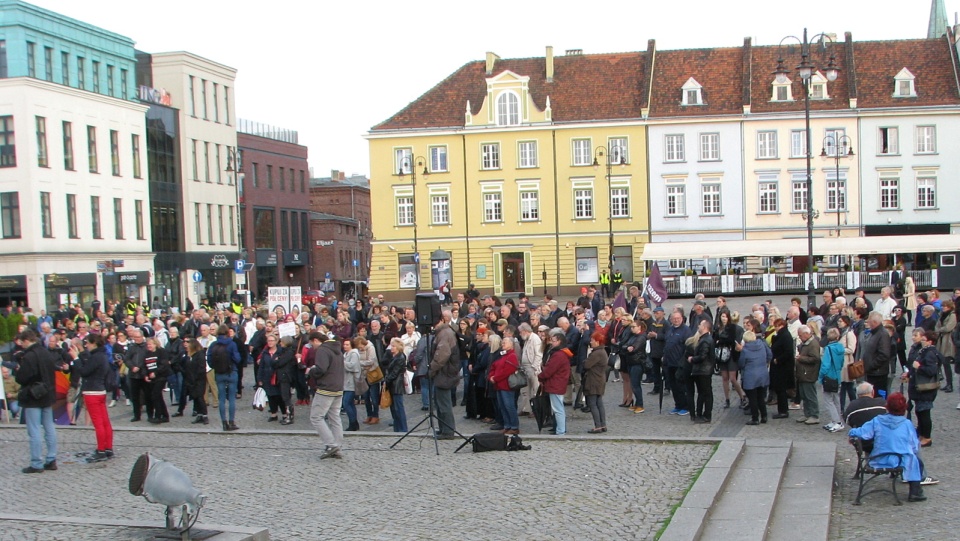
(938, 20)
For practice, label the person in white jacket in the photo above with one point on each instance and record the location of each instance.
(886, 303)
(531, 361)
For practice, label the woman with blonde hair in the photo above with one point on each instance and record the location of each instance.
(371, 397)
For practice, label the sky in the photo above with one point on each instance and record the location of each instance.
(333, 69)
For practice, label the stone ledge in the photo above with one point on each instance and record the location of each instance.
(227, 533)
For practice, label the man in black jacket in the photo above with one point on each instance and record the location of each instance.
(37, 387)
(133, 358)
(875, 350)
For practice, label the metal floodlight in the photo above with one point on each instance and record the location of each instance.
(161, 482)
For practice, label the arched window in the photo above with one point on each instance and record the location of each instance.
(508, 109)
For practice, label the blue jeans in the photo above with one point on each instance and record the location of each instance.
(425, 392)
(398, 413)
(227, 389)
(175, 382)
(372, 401)
(464, 364)
(349, 407)
(556, 404)
(35, 418)
(508, 409)
(636, 376)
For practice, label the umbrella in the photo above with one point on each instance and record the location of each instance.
(542, 412)
(663, 388)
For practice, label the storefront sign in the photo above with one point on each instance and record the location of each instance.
(294, 258)
(155, 95)
(13, 282)
(219, 261)
(64, 280)
(266, 258)
(324, 243)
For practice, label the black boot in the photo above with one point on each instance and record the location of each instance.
(353, 427)
(232, 426)
(226, 427)
(916, 492)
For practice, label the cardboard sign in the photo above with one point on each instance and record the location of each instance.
(287, 329)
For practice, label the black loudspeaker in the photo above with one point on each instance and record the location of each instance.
(427, 307)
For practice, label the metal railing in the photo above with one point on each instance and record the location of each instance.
(788, 283)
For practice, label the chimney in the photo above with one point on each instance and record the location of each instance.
(491, 60)
(334, 175)
(549, 63)
(343, 176)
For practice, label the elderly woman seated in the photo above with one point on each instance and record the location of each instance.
(892, 435)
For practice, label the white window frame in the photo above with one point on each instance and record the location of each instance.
(787, 87)
(904, 84)
(767, 145)
(492, 202)
(529, 194)
(582, 201)
(508, 108)
(619, 197)
(691, 93)
(798, 143)
(527, 155)
(404, 210)
(926, 190)
(440, 209)
(438, 159)
(768, 193)
(582, 152)
(710, 147)
(403, 160)
(798, 192)
(926, 139)
(490, 156)
(676, 264)
(893, 140)
(710, 196)
(619, 150)
(830, 140)
(673, 148)
(834, 185)
(889, 186)
(676, 199)
(818, 80)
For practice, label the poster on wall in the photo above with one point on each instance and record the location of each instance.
(278, 299)
(440, 272)
(587, 270)
(408, 273)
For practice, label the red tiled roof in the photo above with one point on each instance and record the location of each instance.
(764, 63)
(929, 60)
(587, 87)
(717, 71)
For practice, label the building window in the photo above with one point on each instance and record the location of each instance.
(508, 109)
(799, 192)
(95, 66)
(904, 86)
(264, 229)
(888, 141)
(138, 214)
(135, 154)
(115, 152)
(216, 107)
(582, 152)
(209, 223)
(926, 139)
(889, 193)
(196, 216)
(95, 216)
(72, 216)
(691, 93)
(408, 267)
(226, 107)
(110, 86)
(269, 177)
(782, 89)
(583, 204)
(440, 209)
(403, 160)
(493, 207)
(67, 146)
(490, 155)
(31, 59)
(206, 161)
(676, 200)
(769, 194)
(766, 145)
(798, 143)
(673, 146)
(619, 152)
(438, 159)
(710, 193)
(81, 75)
(255, 170)
(832, 142)
(303, 182)
(123, 83)
(46, 218)
(818, 87)
(620, 202)
(220, 221)
(92, 162)
(203, 97)
(405, 210)
(48, 64)
(42, 142)
(10, 214)
(529, 205)
(65, 68)
(193, 153)
(528, 154)
(926, 192)
(216, 155)
(709, 147)
(193, 97)
(118, 217)
(8, 144)
(588, 263)
(836, 191)
(3, 59)
(230, 218)
(282, 180)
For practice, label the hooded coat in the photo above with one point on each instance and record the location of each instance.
(892, 434)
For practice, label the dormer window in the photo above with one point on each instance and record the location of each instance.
(508, 109)
(692, 93)
(818, 87)
(782, 89)
(904, 85)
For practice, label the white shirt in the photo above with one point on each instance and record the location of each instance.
(885, 307)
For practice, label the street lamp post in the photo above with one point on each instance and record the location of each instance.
(842, 147)
(412, 164)
(806, 70)
(610, 157)
(235, 166)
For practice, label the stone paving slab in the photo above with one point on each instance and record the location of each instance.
(55, 528)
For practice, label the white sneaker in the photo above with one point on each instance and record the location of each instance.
(112, 403)
(128, 401)
(958, 406)
(929, 481)
(835, 427)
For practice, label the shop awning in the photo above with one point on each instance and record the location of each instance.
(907, 244)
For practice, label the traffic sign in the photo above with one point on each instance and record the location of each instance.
(327, 275)
(416, 257)
(197, 277)
(238, 265)
(356, 263)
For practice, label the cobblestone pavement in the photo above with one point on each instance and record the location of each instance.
(560, 489)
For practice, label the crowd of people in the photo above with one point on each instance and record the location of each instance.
(367, 355)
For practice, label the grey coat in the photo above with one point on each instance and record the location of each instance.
(944, 329)
(754, 362)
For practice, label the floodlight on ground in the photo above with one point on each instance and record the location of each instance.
(161, 482)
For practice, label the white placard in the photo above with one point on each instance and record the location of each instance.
(279, 297)
(287, 329)
(295, 297)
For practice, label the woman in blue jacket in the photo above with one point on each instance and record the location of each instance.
(755, 357)
(831, 365)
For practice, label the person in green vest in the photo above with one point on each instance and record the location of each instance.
(617, 282)
(605, 283)
(131, 307)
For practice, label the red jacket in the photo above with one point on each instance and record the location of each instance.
(502, 368)
(556, 373)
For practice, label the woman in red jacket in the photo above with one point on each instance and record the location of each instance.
(554, 377)
(506, 398)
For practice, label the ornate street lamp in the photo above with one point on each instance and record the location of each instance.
(412, 164)
(610, 156)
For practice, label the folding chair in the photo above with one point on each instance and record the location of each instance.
(864, 469)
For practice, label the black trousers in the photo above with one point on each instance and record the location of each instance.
(156, 397)
(656, 374)
(758, 406)
(140, 396)
(678, 388)
(924, 424)
(880, 383)
(704, 396)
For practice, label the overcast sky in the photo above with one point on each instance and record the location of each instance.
(332, 69)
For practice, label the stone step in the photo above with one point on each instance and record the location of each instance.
(804, 499)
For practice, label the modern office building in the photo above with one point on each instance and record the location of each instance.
(341, 231)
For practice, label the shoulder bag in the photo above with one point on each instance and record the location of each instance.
(855, 370)
(374, 374)
(517, 380)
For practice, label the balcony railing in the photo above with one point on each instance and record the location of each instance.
(788, 283)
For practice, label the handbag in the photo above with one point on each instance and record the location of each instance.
(831, 385)
(926, 383)
(385, 399)
(374, 375)
(722, 354)
(408, 382)
(855, 370)
(517, 380)
(613, 361)
(259, 399)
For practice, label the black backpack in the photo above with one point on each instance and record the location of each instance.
(220, 358)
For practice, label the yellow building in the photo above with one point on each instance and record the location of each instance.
(499, 176)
